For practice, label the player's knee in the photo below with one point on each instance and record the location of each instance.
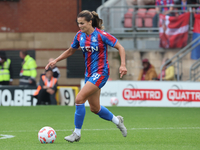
(79, 100)
(94, 110)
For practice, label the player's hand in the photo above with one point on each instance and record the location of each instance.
(122, 70)
(50, 64)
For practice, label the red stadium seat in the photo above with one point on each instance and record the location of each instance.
(151, 12)
(128, 18)
(130, 10)
(139, 17)
(141, 12)
(148, 20)
(138, 22)
(128, 23)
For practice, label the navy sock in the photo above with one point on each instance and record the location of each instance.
(105, 113)
(79, 115)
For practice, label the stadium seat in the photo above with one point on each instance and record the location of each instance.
(151, 12)
(138, 22)
(139, 17)
(130, 10)
(141, 12)
(148, 20)
(128, 18)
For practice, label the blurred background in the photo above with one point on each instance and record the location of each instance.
(161, 37)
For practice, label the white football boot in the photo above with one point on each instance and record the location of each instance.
(73, 137)
(121, 126)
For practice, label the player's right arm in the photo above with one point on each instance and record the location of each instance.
(64, 55)
(74, 46)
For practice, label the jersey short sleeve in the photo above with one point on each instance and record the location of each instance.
(109, 39)
(75, 43)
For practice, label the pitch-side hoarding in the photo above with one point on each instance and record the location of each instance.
(151, 93)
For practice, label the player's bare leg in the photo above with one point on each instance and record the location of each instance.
(94, 101)
(104, 113)
(86, 91)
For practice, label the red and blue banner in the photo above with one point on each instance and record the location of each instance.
(173, 31)
(196, 33)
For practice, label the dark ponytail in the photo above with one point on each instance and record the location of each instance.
(96, 21)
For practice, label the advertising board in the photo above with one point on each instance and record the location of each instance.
(151, 93)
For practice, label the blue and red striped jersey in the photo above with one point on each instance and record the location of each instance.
(165, 3)
(94, 48)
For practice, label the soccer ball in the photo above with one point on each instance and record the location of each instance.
(114, 101)
(47, 135)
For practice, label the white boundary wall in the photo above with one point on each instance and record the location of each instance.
(151, 93)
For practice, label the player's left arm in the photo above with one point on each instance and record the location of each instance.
(122, 69)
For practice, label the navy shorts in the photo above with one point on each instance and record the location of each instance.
(97, 79)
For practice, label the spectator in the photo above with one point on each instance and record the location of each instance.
(184, 7)
(167, 73)
(164, 10)
(56, 71)
(28, 72)
(196, 10)
(131, 2)
(46, 89)
(139, 2)
(162, 72)
(148, 72)
(5, 69)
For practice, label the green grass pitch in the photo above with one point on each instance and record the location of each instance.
(148, 128)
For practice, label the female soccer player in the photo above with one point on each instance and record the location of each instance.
(93, 43)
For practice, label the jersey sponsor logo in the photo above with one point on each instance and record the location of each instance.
(142, 94)
(104, 33)
(89, 49)
(95, 76)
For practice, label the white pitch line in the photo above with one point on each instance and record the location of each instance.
(168, 128)
(2, 136)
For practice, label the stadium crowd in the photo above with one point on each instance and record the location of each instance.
(149, 16)
(149, 73)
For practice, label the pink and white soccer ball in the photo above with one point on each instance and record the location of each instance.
(114, 101)
(47, 135)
